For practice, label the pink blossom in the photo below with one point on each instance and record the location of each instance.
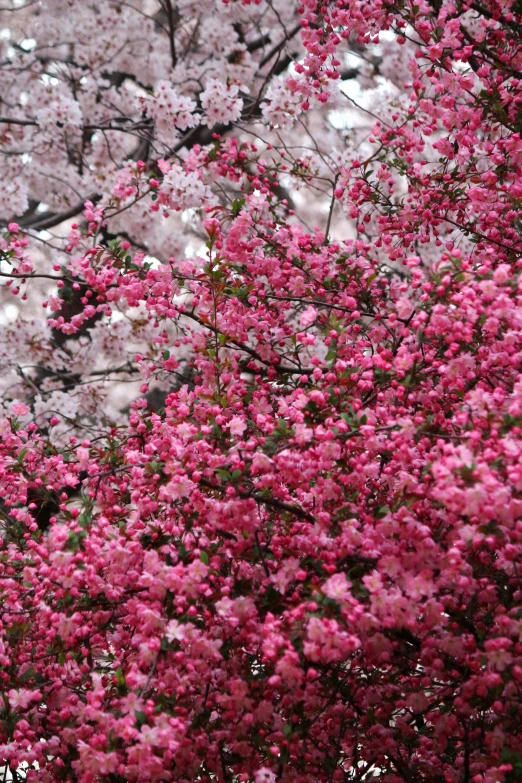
(237, 426)
(261, 391)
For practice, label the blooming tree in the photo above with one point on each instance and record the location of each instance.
(261, 455)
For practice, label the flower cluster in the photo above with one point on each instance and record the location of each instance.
(221, 102)
(171, 112)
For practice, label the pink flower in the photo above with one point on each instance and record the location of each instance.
(308, 316)
(178, 487)
(237, 426)
(21, 699)
(264, 775)
(175, 631)
(261, 463)
(19, 409)
(337, 587)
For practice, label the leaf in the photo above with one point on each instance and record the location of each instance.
(237, 206)
(203, 556)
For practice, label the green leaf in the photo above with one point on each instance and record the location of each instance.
(203, 556)
(75, 540)
(237, 206)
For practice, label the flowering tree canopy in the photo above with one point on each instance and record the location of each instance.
(261, 391)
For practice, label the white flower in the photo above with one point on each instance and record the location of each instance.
(220, 102)
(281, 106)
(56, 402)
(171, 112)
(13, 198)
(184, 190)
(63, 112)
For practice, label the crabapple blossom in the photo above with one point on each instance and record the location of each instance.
(261, 391)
